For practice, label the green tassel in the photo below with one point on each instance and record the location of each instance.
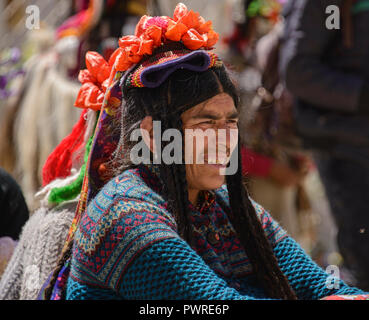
(71, 191)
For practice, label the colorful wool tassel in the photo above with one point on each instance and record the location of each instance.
(71, 191)
(59, 163)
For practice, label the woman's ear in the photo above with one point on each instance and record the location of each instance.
(146, 128)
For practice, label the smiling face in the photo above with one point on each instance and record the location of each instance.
(211, 133)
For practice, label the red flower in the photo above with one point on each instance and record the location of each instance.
(190, 19)
(193, 40)
(204, 26)
(179, 11)
(86, 76)
(140, 28)
(89, 96)
(213, 37)
(132, 48)
(154, 33)
(97, 66)
(94, 82)
(175, 31)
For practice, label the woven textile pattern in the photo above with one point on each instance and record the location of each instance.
(177, 272)
(127, 246)
(307, 279)
(169, 269)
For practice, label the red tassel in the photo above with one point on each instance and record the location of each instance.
(59, 163)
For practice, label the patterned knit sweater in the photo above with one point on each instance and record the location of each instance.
(127, 247)
(37, 252)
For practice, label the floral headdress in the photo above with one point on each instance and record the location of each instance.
(186, 26)
(137, 56)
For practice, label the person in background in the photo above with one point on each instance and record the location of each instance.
(274, 167)
(326, 69)
(14, 210)
(42, 238)
(13, 215)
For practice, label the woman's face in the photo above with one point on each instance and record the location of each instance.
(211, 133)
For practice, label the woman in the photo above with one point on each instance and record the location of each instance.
(179, 229)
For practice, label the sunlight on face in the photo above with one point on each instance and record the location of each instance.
(217, 115)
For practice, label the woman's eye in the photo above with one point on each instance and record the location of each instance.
(207, 122)
(232, 121)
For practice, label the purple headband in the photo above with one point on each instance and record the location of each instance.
(155, 70)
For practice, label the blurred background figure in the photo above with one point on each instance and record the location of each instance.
(13, 215)
(277, 170)
(38, 74)
(326, 69)
(14, 211)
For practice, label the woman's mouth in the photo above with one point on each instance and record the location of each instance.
(217, 163)
(218, 166)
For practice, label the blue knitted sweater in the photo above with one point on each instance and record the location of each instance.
(127, 247)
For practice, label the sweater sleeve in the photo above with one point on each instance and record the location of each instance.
(309, 281)
(170, 270)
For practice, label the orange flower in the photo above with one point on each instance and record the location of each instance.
(175, 31)
(193, 40)
(113, 56)
(190, 19)
(130, 45)
(89, 96)
(204, 26)
(146, 47)
(132, 48)
(121, 61)
(97, 66)
(179, 11)
(213, 38)
(153, 33)
(94, 82)
(140, 28)
(105, 84)
(86, 76)
(191, 28)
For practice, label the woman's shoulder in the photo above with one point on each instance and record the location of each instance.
(120, 222)
(129, 186)
(126, 202)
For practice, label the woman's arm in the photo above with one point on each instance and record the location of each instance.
(170, 269)
(134, 250)
(307, 279)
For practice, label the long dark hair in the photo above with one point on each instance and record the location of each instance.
(182, 90)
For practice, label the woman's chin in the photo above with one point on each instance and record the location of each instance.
(214, 180)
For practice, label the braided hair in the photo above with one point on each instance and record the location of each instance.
(182, 90)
